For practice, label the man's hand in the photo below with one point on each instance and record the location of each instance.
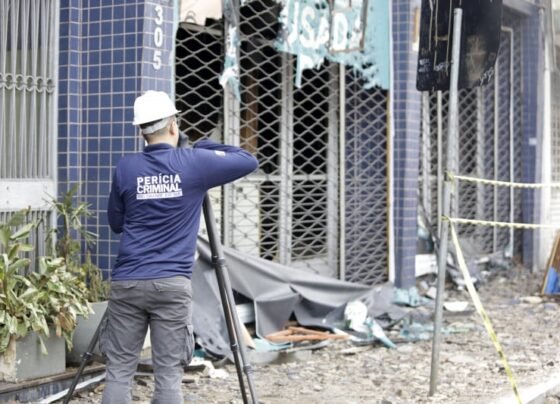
(216, 135)
(183, 140)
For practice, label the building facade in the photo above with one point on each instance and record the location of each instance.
(345, 168)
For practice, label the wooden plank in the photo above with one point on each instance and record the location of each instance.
(301, 338)
(308, 331)
(300, 334)
(279, 333)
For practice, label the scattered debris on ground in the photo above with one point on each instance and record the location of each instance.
(348, 371)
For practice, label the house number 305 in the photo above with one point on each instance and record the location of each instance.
(158, 37)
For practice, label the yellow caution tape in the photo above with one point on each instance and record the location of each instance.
(502, 183)
(482, 312)
(501, 224)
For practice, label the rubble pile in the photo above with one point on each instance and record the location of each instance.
(342, 370)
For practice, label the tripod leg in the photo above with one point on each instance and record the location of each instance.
(85, 359)
(222, 272)
(228, 302)
(233, 335)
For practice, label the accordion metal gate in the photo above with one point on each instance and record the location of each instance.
(318, 200)
(489, 147)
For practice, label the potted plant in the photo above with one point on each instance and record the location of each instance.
(73, 243)
(38, 310)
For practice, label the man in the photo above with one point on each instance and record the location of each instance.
(155, 203)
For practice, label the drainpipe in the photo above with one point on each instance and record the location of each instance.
(390, 163)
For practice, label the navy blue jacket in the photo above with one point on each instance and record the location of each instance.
(156, 201)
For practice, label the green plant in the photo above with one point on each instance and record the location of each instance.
(50, 297)
(69, 246)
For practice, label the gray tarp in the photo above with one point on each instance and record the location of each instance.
(277, 292)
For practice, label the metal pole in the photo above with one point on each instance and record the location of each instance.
(511, 135)
(451, 162)
(439, 159)
(342, 171)
(286, 163)
(333, 164)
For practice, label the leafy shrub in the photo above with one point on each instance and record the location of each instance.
(68, 244)
(51, 297)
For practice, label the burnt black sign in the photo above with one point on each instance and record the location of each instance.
(480, 42)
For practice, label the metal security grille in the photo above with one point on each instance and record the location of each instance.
(504, 116)
(290, 211)
(27, 72)
(28, 41)
(366, 183)
(489, 146)
(431, 157)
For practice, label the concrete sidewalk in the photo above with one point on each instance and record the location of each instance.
(535, 394)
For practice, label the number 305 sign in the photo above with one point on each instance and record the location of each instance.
(158, 37)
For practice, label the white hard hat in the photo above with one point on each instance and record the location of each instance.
(153, 106)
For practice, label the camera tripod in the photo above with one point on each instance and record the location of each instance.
(230, 313)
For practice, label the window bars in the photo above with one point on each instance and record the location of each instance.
(28, 129)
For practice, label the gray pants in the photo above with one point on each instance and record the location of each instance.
(164, 305)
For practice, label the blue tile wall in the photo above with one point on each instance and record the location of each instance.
(532, 57)
(406, 115)
(107, 50)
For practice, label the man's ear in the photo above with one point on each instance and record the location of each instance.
(174, 129)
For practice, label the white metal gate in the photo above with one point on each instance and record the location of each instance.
(292, 210)
(28, 67)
